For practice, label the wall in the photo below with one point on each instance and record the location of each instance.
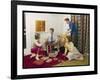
(55, 21)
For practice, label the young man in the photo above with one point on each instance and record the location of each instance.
(72, 29)
(51, 36)
(51, 40)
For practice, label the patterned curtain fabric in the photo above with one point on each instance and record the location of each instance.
(83, 26)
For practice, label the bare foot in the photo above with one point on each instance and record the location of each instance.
(55, 58)
(45, 58)
(37, 58)
(33, 55)
(49, 60)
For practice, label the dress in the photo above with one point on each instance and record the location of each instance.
(73, 52)
(37, 48)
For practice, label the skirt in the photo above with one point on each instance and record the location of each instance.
(38, 50)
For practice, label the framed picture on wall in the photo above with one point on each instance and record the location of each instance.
(52, 39)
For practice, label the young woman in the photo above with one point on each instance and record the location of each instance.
(73, 52)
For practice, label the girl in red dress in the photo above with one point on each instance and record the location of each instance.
(37, 49)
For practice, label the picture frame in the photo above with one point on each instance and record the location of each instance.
(21, 8)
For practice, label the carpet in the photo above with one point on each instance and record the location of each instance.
(32, 63)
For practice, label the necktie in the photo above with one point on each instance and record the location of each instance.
(51, 37)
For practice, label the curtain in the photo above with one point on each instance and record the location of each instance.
(83, 38)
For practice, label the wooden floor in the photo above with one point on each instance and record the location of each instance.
(75, 62)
